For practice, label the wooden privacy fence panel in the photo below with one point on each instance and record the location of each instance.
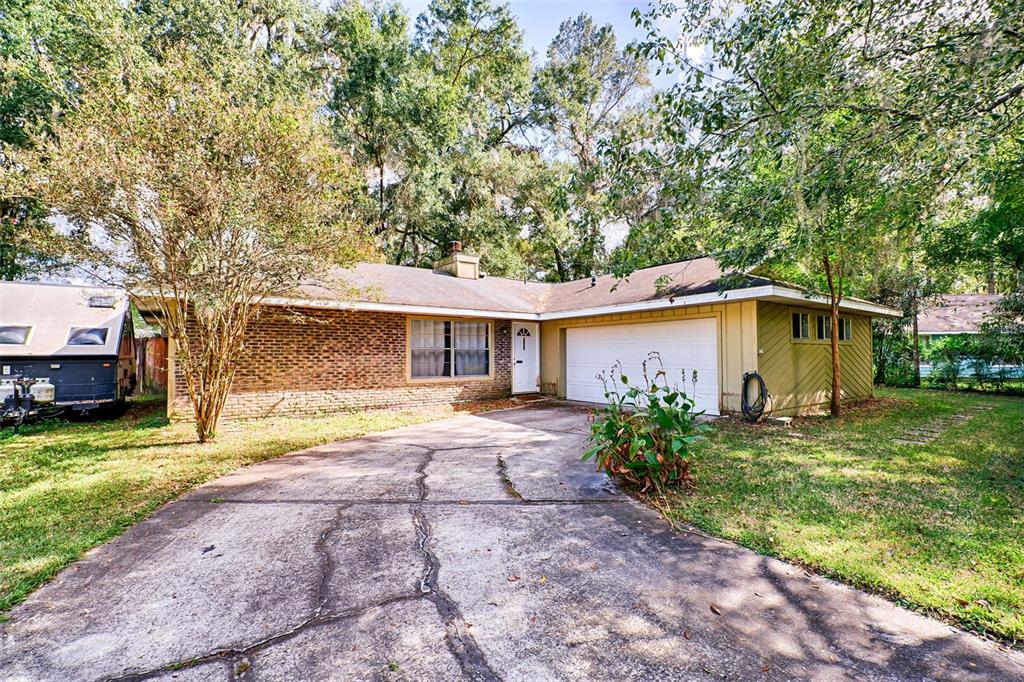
(151, 364)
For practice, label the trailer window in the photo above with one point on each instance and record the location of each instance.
(87, 336)
(13, 335)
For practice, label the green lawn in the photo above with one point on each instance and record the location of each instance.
(67, 487)
(937, 527)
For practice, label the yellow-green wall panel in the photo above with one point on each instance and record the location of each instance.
(798, 374)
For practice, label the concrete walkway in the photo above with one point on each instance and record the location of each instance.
(478, 547)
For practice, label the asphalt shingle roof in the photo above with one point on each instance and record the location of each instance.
(378, 283)
(956, 314)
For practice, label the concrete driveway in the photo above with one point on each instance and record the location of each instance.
(478, 547)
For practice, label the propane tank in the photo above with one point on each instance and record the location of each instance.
(6, 390)
(43, 391)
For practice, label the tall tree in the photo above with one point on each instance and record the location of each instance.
(432, 120)
(42, 43)
(813, 128)
(585, 93)
(201, 180)
(985, 235)
(51, 49)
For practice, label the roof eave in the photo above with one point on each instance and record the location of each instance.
(768, 292)
(771, 292)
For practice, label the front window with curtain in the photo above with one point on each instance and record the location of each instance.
(449, 348)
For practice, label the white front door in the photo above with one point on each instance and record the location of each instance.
(525, 357)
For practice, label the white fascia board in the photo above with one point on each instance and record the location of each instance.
(874, 309)
(768, 292)
(369, 306)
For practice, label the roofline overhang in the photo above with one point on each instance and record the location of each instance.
(771, 292)
(408, 309)
(768, 292)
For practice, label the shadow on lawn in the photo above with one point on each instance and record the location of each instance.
(931, 525)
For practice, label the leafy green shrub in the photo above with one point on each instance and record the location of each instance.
(893, 353)
(948, 356)
(646, 432)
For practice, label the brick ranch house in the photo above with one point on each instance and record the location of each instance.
(414, 336)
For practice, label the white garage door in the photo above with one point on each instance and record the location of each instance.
(684, 346)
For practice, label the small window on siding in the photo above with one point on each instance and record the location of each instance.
(87, 336)
(449, 348)
(845, 329)
(14, 335)
(824, 327)
(801, 326)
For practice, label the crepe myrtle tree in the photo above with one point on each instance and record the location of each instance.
(200, 195)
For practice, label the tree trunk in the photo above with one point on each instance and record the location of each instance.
(835, 406)
(917, 340)
(380, 195)
(882, 355)
(560, 265)
(991, 280)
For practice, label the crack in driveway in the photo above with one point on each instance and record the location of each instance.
(327, 564)
(421, 471)
(506, 480)
(460, 641)
(234, 654)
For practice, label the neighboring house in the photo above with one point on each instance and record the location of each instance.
(952, 315)
(78, 337)
(956, 315)
(413, 336)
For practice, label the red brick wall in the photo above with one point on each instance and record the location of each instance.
(327, 360)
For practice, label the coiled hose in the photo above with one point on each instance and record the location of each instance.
(753, 411)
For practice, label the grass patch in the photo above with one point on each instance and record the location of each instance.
(67, 487)
(937, 527)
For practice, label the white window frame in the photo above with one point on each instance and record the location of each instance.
(825, 324)
(450, 378)
(845, 329)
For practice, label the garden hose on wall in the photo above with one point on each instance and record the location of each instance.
(753, 411)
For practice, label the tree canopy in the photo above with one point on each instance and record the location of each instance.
(854, 148)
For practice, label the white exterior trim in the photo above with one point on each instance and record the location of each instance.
(845, 304)
(766, 292)
(369, 306)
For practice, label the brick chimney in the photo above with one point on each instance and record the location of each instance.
(458, 263)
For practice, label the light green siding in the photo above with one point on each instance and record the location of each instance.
(798, 373)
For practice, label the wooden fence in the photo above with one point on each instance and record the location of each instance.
(151, 364)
